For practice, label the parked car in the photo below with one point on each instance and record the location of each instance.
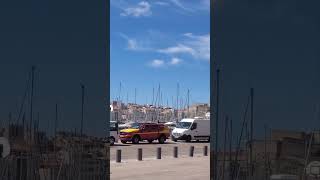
(171, 125)
(145, 131)
(114, 132)
(192, 129)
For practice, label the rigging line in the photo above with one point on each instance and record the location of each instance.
(243, 124)
(24, 98)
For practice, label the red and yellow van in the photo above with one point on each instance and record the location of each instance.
(145, 131)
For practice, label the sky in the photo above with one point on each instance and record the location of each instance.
(272, 46)
(66, 41)
(160, 43)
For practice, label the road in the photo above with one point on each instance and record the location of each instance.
(186, 168)
(129, 151)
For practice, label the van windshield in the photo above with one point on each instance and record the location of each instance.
(113, 126)
(183, 125)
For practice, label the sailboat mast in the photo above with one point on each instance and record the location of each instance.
(177, 105)
(31, 100)
(135, 95)
(224, 146)
(120, 92)
(215, 173)
(152, 96)
(188, 103)
(251, 134)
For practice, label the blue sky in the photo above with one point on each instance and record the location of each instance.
(160, 42)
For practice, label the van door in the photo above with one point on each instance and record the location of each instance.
(145, 131)
(194, 129)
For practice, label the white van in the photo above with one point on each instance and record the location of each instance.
(192, 129)
(114, 132)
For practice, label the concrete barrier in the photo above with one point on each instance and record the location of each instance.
(205, 150)
(175, 152)
(140, 154)
(118, 158)
(159, 153)
(191, 151)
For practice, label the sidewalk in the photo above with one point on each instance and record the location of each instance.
(186, 168)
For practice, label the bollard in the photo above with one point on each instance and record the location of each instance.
(118, 160)
(1, 150)
(191, 151)
(159, 153)
(140, 154)
(175, 152)
(205, 150)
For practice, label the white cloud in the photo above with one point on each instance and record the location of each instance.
(175, 61)
(196, 46)
(132, 44)
(188, 6)
(157, 63)
(161, 3)
(200, 44)
(135, 45)
(142, 9)
(181, 5)
(180, 48)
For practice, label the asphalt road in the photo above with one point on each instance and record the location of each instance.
(129, 151)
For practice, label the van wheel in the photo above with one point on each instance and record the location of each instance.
(188, 138)
(135, 140)
(111, 141)
(124, 142)
(150, 141)
(161, 139)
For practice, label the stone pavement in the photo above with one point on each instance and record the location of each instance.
(182, 168)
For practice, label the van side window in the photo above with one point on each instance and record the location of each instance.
(113, 126)
(194, 126)
(155, 128)
(147, 128)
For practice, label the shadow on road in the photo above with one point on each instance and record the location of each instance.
(156, 143)
(121, 144)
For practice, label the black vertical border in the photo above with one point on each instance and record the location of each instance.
(107, 15)
(212, 96)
